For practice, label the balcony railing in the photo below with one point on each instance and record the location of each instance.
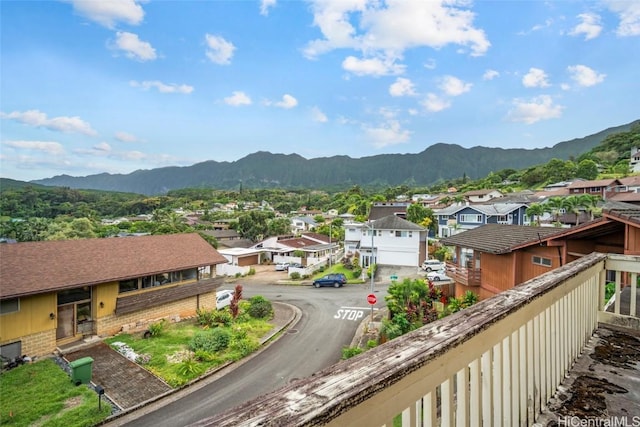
(495, 363)
(463, 275)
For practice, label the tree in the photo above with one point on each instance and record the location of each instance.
(590, 203)
(587, 169)
(416, 213)
(278, 226)
(572, 204)
(253, 225)
(535, 210)
(553, 205)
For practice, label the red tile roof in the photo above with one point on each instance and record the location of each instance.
(37, 267)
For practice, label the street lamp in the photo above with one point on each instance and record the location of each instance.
(330, 247)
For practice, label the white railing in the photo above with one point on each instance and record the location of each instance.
(495, 363)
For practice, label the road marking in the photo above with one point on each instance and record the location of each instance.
(351, 313)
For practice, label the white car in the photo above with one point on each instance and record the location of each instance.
(430, 265)
(282, 266)
(223, 299)
(439, 275)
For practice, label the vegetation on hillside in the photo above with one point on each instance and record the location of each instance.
(31, 212)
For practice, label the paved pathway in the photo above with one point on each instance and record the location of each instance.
(126, 383)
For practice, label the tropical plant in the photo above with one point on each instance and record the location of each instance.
(535, 210)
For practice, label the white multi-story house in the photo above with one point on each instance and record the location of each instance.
(634, 163)
(390, 240)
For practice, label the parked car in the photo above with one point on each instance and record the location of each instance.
(282, 266)
(296, 265)
(336, 280)
(436, 276)
(429, 265)
(223, 298)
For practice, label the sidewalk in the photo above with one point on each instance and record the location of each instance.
(129, 386)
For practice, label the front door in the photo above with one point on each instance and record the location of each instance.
(66, 321)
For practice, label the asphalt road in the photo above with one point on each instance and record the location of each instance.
(329, 319)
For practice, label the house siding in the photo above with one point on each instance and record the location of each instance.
(528, 270)
(632, 244)
(497, 273)
(32, 319)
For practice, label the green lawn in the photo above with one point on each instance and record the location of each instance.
(170, 354)
(42, 394)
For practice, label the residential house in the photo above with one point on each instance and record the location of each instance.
(456, 218)
(496, 257)
(599, 187)
(481, 196)
(315, 248)
(228, 238)
(634, 163)
(56, 292)
(390, 240)
(301, 224)
(383, 209)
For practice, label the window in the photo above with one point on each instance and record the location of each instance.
(74, 295)
(161, 279)
(546, 262)
(11, 305)
(470, 218)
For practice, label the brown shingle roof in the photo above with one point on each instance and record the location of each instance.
(37, 267)
(499, 238)
(593, 183)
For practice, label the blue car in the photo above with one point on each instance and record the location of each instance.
(336, 280)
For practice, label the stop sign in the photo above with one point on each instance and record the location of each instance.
(371, 299)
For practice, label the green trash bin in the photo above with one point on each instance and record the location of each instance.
(81, 370)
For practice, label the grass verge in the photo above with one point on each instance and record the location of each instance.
(42, 394)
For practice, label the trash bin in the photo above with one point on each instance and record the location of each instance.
(81, 370)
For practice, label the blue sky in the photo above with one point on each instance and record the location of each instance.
(115, 86)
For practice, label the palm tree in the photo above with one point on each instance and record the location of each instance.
(553, 206)
(590, 203)
(572, 204)
(536, 210)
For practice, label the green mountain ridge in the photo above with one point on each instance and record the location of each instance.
(263, 169)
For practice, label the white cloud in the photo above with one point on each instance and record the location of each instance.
(265, 5)
(402, 87)
(108, 13)
(430, 64)
(453, 86)
(389, 133)
(126, 137)
(133, 47)
(535, 78)
(490, 75)
(238, 98)
(102, 149)
(162, 87)
(590, 26)
(392, 27)
(318, 116)
(47, 147)
(37, 118)
(629, 13)
(539, 108)
(433, 103)
(219, 51)
(287, 102)
(372, 66)
(585, 76)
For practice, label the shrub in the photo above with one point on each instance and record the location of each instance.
(349, 352)
(190, 368)
(210, 341)
(295, 275)
(244, 347)
(260, 307)
(156, 328)
(213, 318)
(251, 272)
